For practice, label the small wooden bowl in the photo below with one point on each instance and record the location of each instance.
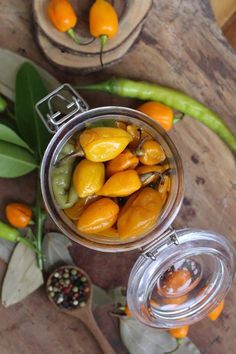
(84, 314)
(64, 52)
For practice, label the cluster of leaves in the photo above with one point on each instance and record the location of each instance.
(24, 138)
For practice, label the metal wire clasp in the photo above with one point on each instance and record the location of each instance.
(60, 106)
(168, 237)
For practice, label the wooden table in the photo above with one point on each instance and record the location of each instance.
(181, 46)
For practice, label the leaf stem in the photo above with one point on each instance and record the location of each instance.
(178, 344)
(39, 221)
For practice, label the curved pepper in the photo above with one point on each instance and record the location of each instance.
(121, 184)
(88, 177)
(63, 189)
(103, 143)
(175, 99)
(126, 160)
(140, 213)
(98, 216)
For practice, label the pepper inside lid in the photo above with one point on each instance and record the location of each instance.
(179, 283)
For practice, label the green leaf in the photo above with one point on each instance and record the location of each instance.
(141, 339)
(7, 134)
(29, 90)
(15, 161)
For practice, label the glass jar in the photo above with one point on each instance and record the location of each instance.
(181, 275)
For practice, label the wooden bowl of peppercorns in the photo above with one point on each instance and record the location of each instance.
(69, 288)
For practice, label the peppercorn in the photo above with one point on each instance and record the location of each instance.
(68, 288)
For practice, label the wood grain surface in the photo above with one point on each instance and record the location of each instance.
(181, 46)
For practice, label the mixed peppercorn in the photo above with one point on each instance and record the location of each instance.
(68, 288)
(112, 181)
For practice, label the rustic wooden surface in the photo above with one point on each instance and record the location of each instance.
(181, 46)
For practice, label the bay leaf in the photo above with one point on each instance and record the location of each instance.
(23, 276)
(6, 249)
(118, 295)
(141, 339)
(15, 161)
(101, 297)
(55, 249)
(11, 63)
(9, 135)
(29, 90)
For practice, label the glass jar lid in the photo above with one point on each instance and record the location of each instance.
(181, 279)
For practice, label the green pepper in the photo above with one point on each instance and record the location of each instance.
(3, 104)
(172, 98)
(13, 235)
(63, 189)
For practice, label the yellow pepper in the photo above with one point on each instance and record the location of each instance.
(124, 161)
(88, 177)
(140, 213)
(121, 184)
(151, 153)
(103, 143)
(98, 216)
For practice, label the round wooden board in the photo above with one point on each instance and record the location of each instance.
(63, 51)
(182, 48)
(77, 62)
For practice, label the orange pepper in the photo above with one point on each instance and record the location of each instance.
(142, 169)
(140, 213)
(18, 214)
(103, 143)
(213, 315)
(63, 17)
(151, 153)
(88, 177)
(103, 22)
(173, 281)
(98, 216)
(121, 184)
(75, 211)
(180, 332)
(164, 187)
(127, 311)
(159, 112)
(111, 233)
(125, 161)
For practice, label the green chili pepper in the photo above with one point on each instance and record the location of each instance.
(62, 185)
(172, 98)
(13, 235)
(3, 104)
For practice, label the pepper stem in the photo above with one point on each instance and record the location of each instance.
(39, 220)
(178, 344)
(103, 41)
(71, 32)
(178, 117)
